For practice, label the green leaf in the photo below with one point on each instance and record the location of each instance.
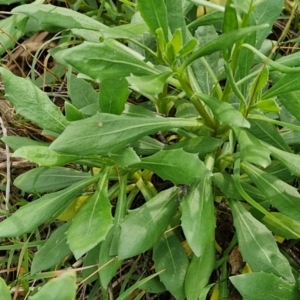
(226, 184)
(112, 263)
(91, 261)
(61, 288)
(15, 142)
(169, 255)
(72, 113)
(291, 137)
(288, 83)
(211, 18)
(267, 105)
(259, 209)
(44, 156)
(268, 133)
(127, 31)
(114, 93)
(176, 18)
(200, 67)
(274, 121)
(264, 12)
(185, 109)
(106, 133)
(176, 165)
(230, 22)
(290, 160)
(205, 291)
(108, 59)
(198, 216)
(81, 92)
(7, 2)
(187, 48)
(200, 145)
(224, 111)
(91, 225)
(87, 34)
(255, 238)
(280, 171)
(150, 84)
(254, 286)
(43, 179)
(199, 272)
(243, 5)
(154, 286)
(52, 18)
(245, 63)
(288, 222)
(142, 43)
(291, 101)
(222, 42)
(154, 12)
(251, 149)
(258, 84)
(147, 146)
(53, 251)
(125, 157)
(32, 103)
(4, 290)
(291, 60)
(37, 212)
(137, 285)
(281, 195)
(12, 28)
(139, 111)
(143, 227)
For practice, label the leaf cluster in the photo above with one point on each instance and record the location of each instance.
(215, 119)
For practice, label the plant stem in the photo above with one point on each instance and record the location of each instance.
(121, 204)
(235, 57)
(223, 282)
(224, 271)
(197, 104)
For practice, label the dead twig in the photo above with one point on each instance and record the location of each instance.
(8, 173)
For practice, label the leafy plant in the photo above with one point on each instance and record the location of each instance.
(224, 114)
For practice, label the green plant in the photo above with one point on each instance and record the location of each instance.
(232, 145)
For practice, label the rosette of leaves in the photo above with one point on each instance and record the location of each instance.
(218, 125)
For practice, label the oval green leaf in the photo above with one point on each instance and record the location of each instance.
(32, 103)
(224, 112)
(257, 244)
(254, 286)
(154, 12)
(281, 195)
(61, 288)
(143, 227)
(223, 42)
(169, 255)
(43, 179)
(176, 165)
(199, 272)
(44, 156)
(93, 222)
(251, 149)
(53, 251)
(4, 290)
(35, 213)
(106, 133)
(108, 59)
(198, 219)
(52, 18)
